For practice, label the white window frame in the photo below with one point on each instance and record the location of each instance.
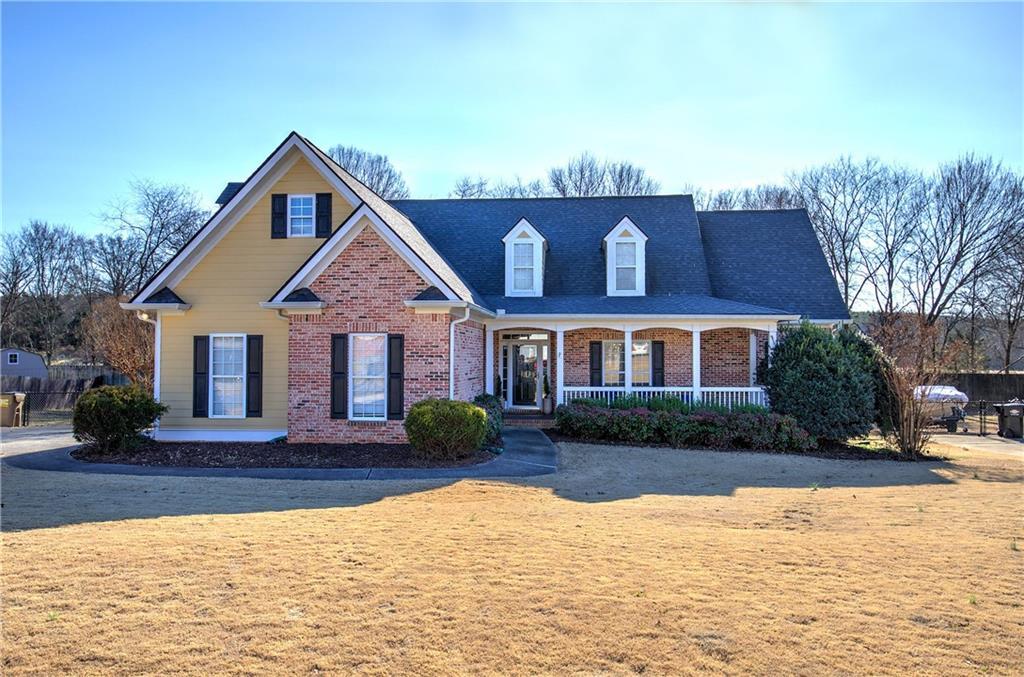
(312, 232)
(625, 231)
(245, 375)
(533, 236)
(604, 370)
(351, 376)
(13, 358)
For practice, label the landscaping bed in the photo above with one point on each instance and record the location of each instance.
(272, 455)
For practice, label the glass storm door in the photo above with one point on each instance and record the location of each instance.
(524, 389)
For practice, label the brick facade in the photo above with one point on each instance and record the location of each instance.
(470, 338)
(364, 289)
(725, 358)
(678, 355)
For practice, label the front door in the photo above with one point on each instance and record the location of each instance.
(525, 365)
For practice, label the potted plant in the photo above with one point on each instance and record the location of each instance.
(548, 405)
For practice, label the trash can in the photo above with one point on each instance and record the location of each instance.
(1011, 418)
(12, 409)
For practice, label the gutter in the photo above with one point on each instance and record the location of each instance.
(441, 306)
(451, 351)
(180, 307)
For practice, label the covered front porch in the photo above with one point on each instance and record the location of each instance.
(709, 361)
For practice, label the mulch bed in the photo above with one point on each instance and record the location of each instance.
(273, 455)
(843, 452)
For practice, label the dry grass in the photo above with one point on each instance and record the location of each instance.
(643, 560)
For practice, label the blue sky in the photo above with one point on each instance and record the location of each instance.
(94, 95)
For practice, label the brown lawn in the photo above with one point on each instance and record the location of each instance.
(641, 560)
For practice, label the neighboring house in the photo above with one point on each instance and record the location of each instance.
(310, 306)
(14, 362)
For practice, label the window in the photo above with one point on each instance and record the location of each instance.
(625, 253)
(12, 358)
(524, 260)
(625, 266)
(368, 360)
(300, 215)
(522, 266)
(614, 367)
(227, 375)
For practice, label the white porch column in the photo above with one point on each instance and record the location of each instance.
(559, 366)
(696, 364)
(489, 361)
(753, 357)
(773, 338)
(627, 356)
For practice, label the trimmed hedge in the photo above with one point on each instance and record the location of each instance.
(445, 429)
(111, 418)
(695, 427)
(495, 408)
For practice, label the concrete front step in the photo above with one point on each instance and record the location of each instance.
(530, 421)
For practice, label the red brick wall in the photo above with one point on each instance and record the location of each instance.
(364, 289)
(725, 358)
(469, 360)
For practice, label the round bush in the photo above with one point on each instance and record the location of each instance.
(823, 381)
(445, 429)
(113, 417)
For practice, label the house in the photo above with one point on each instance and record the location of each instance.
(15, 362)
(308, 306)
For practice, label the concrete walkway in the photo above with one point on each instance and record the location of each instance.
(528, 452)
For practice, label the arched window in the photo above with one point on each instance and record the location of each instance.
(625, 256)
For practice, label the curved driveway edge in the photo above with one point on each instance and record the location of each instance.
(528, 452)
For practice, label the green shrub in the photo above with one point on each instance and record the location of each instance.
(693, 427)
(110, 418)
(495, 408)
(823, 382)
(445, 429)
(875, 362)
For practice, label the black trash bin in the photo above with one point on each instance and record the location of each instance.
(1011, 418)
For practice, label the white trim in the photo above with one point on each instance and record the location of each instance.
(349, 376)
(752, 358)
(255, 187)
(534, 238)
(299, 307)
(210, 375)
(451, 357)
(560, 363)
(627, 365)
(489, 361)
(288, 213)
(158, 330)
(168, 308)
(339, 241)
(637, 238)
(215, 435)
(695, 364)
(434, 307)
(15, 356)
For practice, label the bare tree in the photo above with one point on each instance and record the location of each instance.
(14, 282)
(625, 178)
(376, 171)
(518, 189)
(467, 188)
(121, 340)
(1004, 304)
(768, 196)
(116, 260)
(973, 217)
(838, 197)
(582, 176)
(159, 219)
(52, 254)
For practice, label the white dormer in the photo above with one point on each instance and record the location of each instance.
(625, 258)
(524, 260)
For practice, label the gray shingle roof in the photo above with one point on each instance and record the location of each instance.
(770, 257)
(706, 263)
(302, 294)
(229, 192)
(164, 295)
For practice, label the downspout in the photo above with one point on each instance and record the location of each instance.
(451, 352)
(142, 315)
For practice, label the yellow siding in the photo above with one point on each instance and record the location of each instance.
(225, 289)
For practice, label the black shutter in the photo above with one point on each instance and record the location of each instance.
(595, 364)
(658, 364)
(339, 375)
(200, 376)
(254, 376)
(396, 377)
(278, 216)
(323, 214)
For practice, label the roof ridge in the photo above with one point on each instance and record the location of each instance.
(524, 199)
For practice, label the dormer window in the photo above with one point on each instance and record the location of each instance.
(524, 260)
(625, 246)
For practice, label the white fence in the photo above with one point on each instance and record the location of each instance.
(725, 397)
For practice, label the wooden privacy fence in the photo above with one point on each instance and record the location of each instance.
(988, 386)
(65, 372)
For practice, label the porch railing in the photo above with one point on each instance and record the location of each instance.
(725, 397)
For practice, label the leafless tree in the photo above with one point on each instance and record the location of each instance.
(468, 188)
(582, 176)
(1004, 304)
(14, 281)
(116, 261)
(518, 189)
(121, 340)
(838, 197)
(159, 219)
(625, 178)
(376, 171)
(974, 213)
(767, 196)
